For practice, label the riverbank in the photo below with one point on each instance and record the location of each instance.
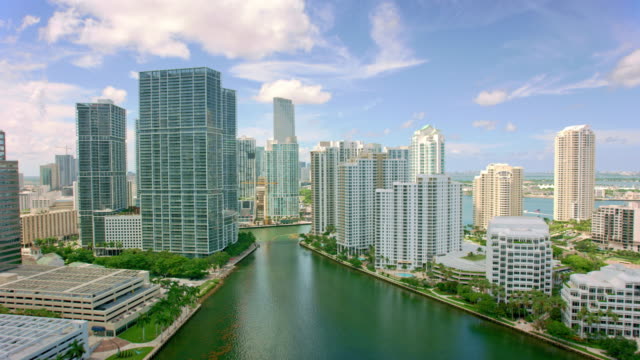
(274, 225)
(524, 328)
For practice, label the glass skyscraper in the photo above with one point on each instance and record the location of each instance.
(284, 125)
(246, 168)
(66, 169)
(102, 180)
(10, 229)
(185, 148)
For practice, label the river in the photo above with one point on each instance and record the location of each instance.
(285, 302)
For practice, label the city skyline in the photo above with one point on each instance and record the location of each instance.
(515, 75)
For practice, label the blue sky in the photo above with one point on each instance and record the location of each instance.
(499, 78)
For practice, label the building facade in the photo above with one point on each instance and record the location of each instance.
(9, 210)
(574, 173)
(247, 175)
(124, 231)
(416, 221)
(617, 226)
(284, 123)
(357, 182)
(58, 224)
(102, 180)
(427, 152)
(497, 191)
(50, 176)
(66, 169)
(603, 301)
(519, 256)
(182, 144)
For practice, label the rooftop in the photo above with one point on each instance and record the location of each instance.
(518, 226)
(611, 276)
(20, 336)
(455, 259)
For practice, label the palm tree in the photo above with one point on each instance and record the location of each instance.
(76, 350)
(143, 320)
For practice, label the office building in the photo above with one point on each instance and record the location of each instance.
(9, 210)
(50, 176)
(427, 152)
(611, 294)
(102, 180)
(247, 177)
(416, 221)
(519, 254)
(123, 231)
(574, 173)
(109, 299)
(48, 224)
(260, 162)
(617, 226)
(3, 146)
(357, 182)
(281, 159)
(184, 154)
(132, 193)
(497, 191)
(305, 173)
(34, 337)
(66, 169)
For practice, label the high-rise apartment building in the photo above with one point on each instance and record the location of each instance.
(50, 176)
(357, 182)
(9, 210)
(427, 152)
(617, 226)
(281, 158)
(66, 169)
(497, 191)
(260, 162)
(247, 178)
(574, 173)
(102, 180)
(183, 139)
(519, 254)
(416, 221)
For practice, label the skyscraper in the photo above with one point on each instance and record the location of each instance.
(427, 152)
(10, 228)
(102, 180)
(281, 155)
(184, 155)
(66, 169)
(416, 221)
(497, 191)
(574, 173)
(247, 178)
(260, 162)
(50, 176)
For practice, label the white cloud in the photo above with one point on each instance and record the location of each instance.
(490, 98)
(485, 124)
(28, 21)
(165, 28)
(510, 127)
(266, 71)
(88, 61)
(295, 90)
(134, 75)
(627, 71)
(416, 116)
(117, 95)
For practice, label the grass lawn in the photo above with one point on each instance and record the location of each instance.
(207, 286)
(475, 257)
(134, 333)
(134, 354)
(620, 258)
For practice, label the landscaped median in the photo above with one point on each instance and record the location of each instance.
(432, 293)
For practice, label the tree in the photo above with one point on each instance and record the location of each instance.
(619, 347)
(76, 350)
(143, 320)
(558, 329)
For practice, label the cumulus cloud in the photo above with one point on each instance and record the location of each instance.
(490, 98)
(416, 116)
(510, 127)
(295, 90)
(165, 28)
(117, 95)
(88, 61)
(28, 21)
(485, 124)
(627, 71)
(134, 75)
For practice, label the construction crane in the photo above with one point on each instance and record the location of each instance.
(66, 149)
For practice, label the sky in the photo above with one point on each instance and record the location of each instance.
(498, 77)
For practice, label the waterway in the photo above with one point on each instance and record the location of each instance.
(285, 302)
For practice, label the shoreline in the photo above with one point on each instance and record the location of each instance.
(536, 335)
(270, 226)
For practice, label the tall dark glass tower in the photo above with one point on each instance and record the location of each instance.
(186, 162)
(102, 179)
(9, 210)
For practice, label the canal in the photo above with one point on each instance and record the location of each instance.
(284, 302)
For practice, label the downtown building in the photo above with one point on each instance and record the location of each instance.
(357, 182)
(66, 169)
(426, 154)
(416, 221)
(102, 180)
(50, 176)
(281, 159)
(9, 210)
(497, 191)
(519, 256)
(247, 178)
(574, 173)
(617, 226)
(186, 156)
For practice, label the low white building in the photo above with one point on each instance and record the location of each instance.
(617, 226)
(32, 337)
(614, 289)
(519, 256)
(124, 229)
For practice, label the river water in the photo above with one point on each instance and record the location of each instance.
(285, 302)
